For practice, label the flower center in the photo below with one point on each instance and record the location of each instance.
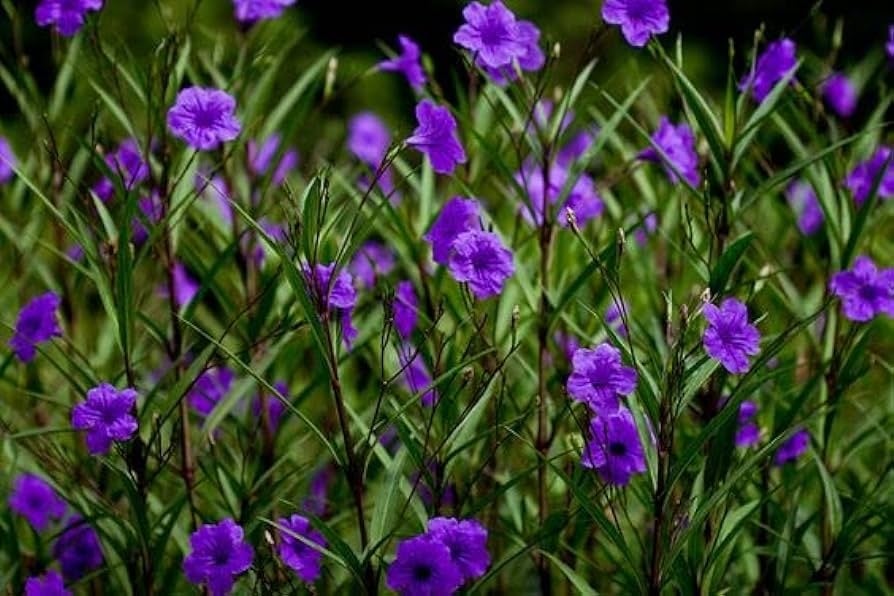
(617, 449)
(422, 572)
(493, 33)
(205, 118)
(638, 9)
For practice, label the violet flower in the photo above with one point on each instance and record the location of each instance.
(481, 260)
(458, 215)
(204, 118)
(865, 291)
(251, 11)
(614, 450)
(776, 62)
(48, 584)
(296, 554)
(8, 161)
(35, 500)
(218, 554)
(423, 566)
(862, 179)
(77, 549)
(841, 94)
(677, 143)
(36, 324)
(639, 19)
(66, 16)
(599, 378)
(729, 337)
(407, 63)
(107, 416)
(436, 137)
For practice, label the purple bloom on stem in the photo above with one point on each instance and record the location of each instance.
(614, 319)
(7, 161)
(260, 159)
(368, 138)
(317, 493)
(777, 62)
(405, 312)
(575, 149)
(276, 232)
(218, 554)
(36, 324)
(185, 286)
(457, 216)
(302, 558)
(531, 60)
(66, 16)
(491, 33)
(407, 63)
(275, 407)
(467, 542)
(250, 11)
(841, 95)
(568, 343)
(639, 19)
(804, 203)
(614, 449)
(77, 549)
(417, 378)
(582, 199)
(642, 233)
(49, 584)
(862, 179)
(436, 137)
(730, 338)
(210, 388)
(204, 118)
(372, 260)
(793, 448)
(748, 433)
(423, 566)
(107, 416)
(151, 212)
(865, 291)
(127, 163)
(35, 500)
(481, 260)
(336, 296)
(599, 378)
(677, 142)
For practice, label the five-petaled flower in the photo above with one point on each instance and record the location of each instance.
(776, 63)
(436, 137)
(803, 201)
(614, 449)
(334, 296)
(466, 539)
(639, 19)
(250, 11)
(295, 538)
(218, 553)
(107, 416)
(204, 118)
(841, 94)
(492, 34)
(730, 338)
(457, 216)
(126, 164)
(865, 291)
(480, 259)
(748, 434)
(407, 63)
(261, 157)
(49, 584)
(793, 448)
(36, 324)
(423, 566)
(66, 16)
(35, 500)
(77, 549)
(582, 198)
(599, 378)
(674, 146)
(368, 138)
(878, 169)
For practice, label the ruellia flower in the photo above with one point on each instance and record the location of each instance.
(466, 539)
(218, 554)
(35, 500)
(437, 138)
(599, 378)
(645, 231)
(677, 143)
(748, 433)
(481, 260)
(568, 343)
(802, 199)
(865, 291)
(127, 165)
(862, 179)
(639, 19)
(250, 11)
(334, 296)
(372, 260)
(492, 34)
(777, 61)
(405, 309)
(458, 215)
(423, 566)
(416, 376)
(275, 407)
(210, 388)
(204, 118)
(107, 416)
(730, 338)
(576, 147)
(582, 197)
(66, 16)
(793, 448)
(7, 161)
(297, 554)
(408, 62)
(185, 285)
(35, 325)
(317, 499)
(151, 212)
(531, 60)
(614, 449)
(48, 584)
(368, 138)
(840, 94)
(261, 156)
(77, 549)
(614, 319)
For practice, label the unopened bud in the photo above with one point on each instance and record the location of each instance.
(516, 315)
(331, 71)
(557, 50)
(268, 537)
(468, 373)
(705, 296)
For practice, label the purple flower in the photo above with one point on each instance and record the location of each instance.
(804, 203)
(66, 16)
(777, 62)
(467, 542)
(677, 143)
(436, 137)
(317, 493)
(75, 252)
(423, 566)
(840, 94)
(792, 448)
(865, 291)
(614, 449)
(127, 163)
(368, 138)
(185, 286)
(648, 227)
(748, 433)
(639, 19)
(302, 558)
(417, 378)
(531, 60)
(863, 178)
(107, 416)
(216, 190)
(407, 62)
(77, 549)
(480, 259)
(275, 407)
(250, 11)
(7, 161)
(730, 338)
(574, 149)
(889, 46)
(614, 319)
(35, 500)
(36, 324)
(204, 118)
(277, 234)
(599, 378)
(568, 343)
(260, 159)
(151, 212)
(218, 554)
(336, 296)
(582, 200)
(372, 260)
(405, 312)
(210, 388)
(492, 34)
(457, 216)
(49, 584)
